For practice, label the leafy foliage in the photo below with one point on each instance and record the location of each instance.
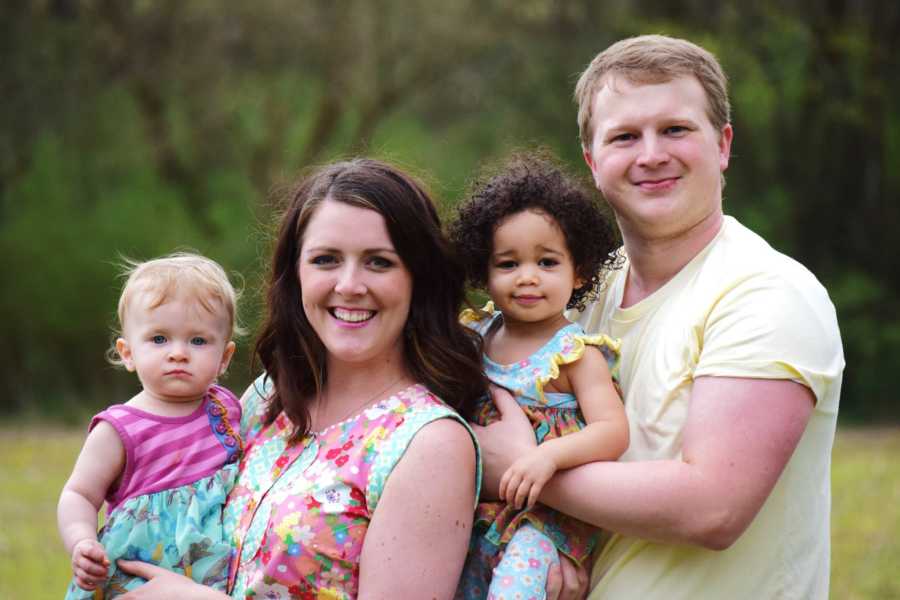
(135, 128)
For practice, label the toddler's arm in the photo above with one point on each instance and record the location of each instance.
(605, 436)
(101, 461)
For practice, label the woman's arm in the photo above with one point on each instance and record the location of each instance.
(605, 436)
(100, 462)
(417, 539)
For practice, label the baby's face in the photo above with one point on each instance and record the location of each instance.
(177, 347)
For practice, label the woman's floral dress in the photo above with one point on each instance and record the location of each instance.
(299, 513)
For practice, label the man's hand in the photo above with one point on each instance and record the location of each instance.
(567, 581)
(523, 481)
(89, 564)
(503, 442)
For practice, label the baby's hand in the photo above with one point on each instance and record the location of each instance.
(89, 564)
(524, 479)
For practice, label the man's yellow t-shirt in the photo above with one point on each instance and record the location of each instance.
(738, 309)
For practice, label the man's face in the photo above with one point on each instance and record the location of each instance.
(656, 157)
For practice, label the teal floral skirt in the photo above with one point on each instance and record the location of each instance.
(179, 529)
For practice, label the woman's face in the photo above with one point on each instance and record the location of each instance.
(356, 291)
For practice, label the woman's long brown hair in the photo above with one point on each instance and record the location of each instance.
(439, 352)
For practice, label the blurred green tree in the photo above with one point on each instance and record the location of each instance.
(137, 127)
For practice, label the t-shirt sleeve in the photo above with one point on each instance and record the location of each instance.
(774, 326)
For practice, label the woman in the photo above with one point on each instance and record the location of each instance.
(347, 427)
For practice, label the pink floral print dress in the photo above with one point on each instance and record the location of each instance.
(299, 513)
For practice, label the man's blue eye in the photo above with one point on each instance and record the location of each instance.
(158, 339)
(198, 341)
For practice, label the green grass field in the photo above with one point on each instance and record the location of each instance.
(865, 518)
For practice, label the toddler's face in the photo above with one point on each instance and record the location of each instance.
(531, 275)
(178, 348)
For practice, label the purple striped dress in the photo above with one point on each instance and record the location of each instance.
(166, 507)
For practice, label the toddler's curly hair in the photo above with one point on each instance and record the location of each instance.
(535, 181)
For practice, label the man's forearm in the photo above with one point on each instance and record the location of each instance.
(665, 501)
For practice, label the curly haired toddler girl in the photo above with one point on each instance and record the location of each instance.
(538, 242)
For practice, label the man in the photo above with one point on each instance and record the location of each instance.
(731, 356)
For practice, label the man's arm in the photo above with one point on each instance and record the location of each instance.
(740, 434)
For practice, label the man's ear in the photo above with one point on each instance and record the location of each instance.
(124, 351)
(589, 159)
(725, 137)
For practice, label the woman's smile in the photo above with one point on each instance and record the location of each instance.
(348, 316)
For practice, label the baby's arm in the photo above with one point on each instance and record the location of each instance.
(605, 436)
(101, 461)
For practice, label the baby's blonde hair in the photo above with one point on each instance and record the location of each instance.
(185, 273)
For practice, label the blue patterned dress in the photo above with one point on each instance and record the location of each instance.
(552, 415)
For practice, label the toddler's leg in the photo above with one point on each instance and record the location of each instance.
(522, 572)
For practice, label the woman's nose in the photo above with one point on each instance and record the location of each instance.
(350, 281)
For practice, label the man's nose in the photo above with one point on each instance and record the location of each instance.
(653, 152)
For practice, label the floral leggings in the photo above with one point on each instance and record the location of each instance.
(521, 573)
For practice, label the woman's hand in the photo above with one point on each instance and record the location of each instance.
(502, 442)
(164, 584)
(567, 581)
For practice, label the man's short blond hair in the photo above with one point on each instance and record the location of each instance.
(649, 59)
(184, 274)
